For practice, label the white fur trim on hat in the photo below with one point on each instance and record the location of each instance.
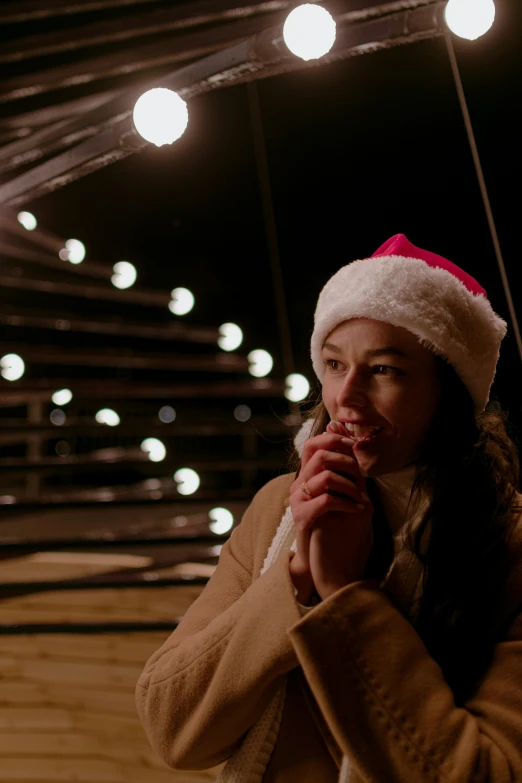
(429, 301)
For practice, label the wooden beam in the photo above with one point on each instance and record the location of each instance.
(127, 28)
(14, 393)
(177, 49)
(31, 10)
(66, 322)
(55, 356)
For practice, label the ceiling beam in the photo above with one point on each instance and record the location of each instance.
(67, 322)
(177, 48)
(156, 20)
(58, 357)
(260, 56)
(15, 394)
(32, 10)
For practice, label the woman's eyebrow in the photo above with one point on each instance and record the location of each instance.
(388, 350)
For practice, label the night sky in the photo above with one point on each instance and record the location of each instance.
(358, 150)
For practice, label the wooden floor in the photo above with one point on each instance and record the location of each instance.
(67, 709)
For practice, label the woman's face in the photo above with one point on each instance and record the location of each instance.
(379, 375)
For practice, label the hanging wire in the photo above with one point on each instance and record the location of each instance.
(483, 189)
(270, 227)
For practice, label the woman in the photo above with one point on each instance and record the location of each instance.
(364, 622)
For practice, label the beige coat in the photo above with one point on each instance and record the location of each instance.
(360, 680)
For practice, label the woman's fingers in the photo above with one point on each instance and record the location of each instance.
(328, 481)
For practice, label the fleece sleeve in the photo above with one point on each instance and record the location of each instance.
(390, 709)
(217, 672)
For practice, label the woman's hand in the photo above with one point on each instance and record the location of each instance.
(332, 516)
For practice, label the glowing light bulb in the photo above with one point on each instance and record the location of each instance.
(28, 220)
(309, 31)
(187, 480)
(167, 414)
(470, 18)
(230, 337)
(160, 116)
(62, 397)
(108, 416)
(125, 275)
(242, 413)
(182, 301)
(12, 367)
(155, 449)
(260, 363)
(57, 417)
(222, 520)
(74, 251)
(297, 387)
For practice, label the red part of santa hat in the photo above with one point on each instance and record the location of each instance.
(399, 245)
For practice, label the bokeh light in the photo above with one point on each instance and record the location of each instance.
(230, 337)
(28, 220)
(470, 18)
(260, 363)
(160, 116)
(12, 367)
(222, 520)
(107, 416)
(125, 275)
(309, 31)
(167, 414)
(182, 301)
(187, 481)
(155, 449)
(297, 387)
(242, 413)
(74, 251)
(62, 396)
(57, 417)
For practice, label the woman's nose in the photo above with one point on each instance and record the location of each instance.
(352, 391)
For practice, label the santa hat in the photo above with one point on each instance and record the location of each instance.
(446, 308)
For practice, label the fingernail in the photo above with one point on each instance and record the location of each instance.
(349, 441)
(365, 497)
(334, 426)
(359, 506)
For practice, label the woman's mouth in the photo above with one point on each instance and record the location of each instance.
(362, 434)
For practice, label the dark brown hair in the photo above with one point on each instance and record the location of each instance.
(469, 468)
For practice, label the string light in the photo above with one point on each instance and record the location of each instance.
(230, 337)
(242, 413)
(107, 416)
(155, 449)
(74, 251)
(470, 18)
(309, 31)
(260, 363)
(28, 220)
(182, 301)
(187, 481)
(297, 387)
(167, 414)
(125, 275)
(62, 397)
(57, 417)
(12, 367)
(222, 520)
(160, 116)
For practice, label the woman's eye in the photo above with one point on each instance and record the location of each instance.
(385, 367)
(333, 364)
